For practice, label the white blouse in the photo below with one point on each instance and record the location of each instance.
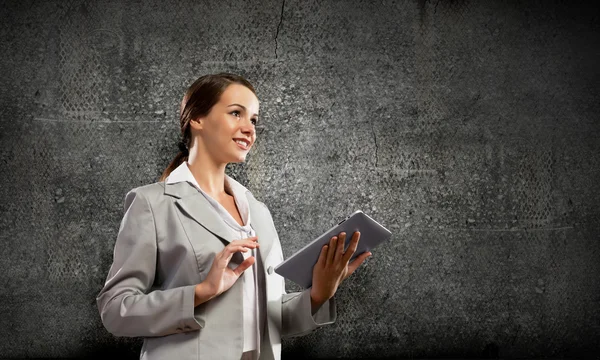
(252, 325)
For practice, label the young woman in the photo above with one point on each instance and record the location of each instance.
(185, 242)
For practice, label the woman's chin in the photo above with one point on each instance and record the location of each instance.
(240, 159)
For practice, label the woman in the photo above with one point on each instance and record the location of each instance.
(185, 242)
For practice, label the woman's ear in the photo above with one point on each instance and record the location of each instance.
(196, 124)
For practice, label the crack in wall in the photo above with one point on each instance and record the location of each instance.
(278, 25)
(376, 147)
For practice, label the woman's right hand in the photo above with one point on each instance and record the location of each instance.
(220, 276)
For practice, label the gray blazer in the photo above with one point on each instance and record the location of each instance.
(166, 243)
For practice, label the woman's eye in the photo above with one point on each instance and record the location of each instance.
(255, 121)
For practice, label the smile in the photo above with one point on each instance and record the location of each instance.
(241, 144)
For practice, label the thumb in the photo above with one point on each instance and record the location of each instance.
(357, 262)
(244, 265)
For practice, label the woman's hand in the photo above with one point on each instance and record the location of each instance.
(332, 267)
(220, 276)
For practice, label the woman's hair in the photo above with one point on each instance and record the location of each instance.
(197, 102)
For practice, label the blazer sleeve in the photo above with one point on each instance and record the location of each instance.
(126, 304)
(297, 318)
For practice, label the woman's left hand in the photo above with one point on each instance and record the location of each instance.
(332, 266)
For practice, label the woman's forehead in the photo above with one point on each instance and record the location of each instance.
(239, 94)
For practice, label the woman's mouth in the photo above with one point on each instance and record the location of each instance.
(241, 144)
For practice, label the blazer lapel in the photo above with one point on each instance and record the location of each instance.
(260, 222)
(195, 206)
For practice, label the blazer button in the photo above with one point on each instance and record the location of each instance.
(270, 270)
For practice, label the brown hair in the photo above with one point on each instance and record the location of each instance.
(197, 102)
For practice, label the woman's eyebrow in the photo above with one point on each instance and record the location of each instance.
(242, 106)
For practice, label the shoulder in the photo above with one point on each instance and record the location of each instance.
(149, 193)
(245, 191)
(149, 190)
(261, 204)
(253, 198)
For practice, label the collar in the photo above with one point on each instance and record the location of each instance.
(183, 173)
(182, 185)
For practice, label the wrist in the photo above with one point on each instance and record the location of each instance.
(316, 301)
(317, 297)
(203, 293)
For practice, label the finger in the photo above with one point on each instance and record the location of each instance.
(233, 249)
(331, 250)
(339, 251)
(252, 243)
(243, 245)
(248, 243)
(357, 262)
(222, 259)
(352, 246)
(323, 256)
(227, 253)
(251, 238)
(244, 265)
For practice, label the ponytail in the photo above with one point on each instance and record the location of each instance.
(179, 159)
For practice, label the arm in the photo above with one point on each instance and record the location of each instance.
(298, 319)
(330, 270)
(299, 313)
(126, 306)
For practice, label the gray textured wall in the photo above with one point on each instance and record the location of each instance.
(468, 128)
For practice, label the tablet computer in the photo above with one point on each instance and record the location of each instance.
(299, 266)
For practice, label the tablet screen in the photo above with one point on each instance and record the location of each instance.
(298, 267)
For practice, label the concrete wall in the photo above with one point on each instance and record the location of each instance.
(468, 128)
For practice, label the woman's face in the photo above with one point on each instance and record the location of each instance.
(233, 117)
